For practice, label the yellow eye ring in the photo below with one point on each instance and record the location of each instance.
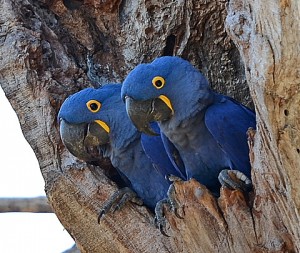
(158, 82)
(93, 105)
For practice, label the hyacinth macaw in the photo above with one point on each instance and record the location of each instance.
(207, 129)
(96, 119)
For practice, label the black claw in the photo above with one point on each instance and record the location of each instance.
(116, 208)
(161, 229)
(171, 203)
(172, 199)
(235, 180)
(100, 216)
(177, 214)
(160, 220)
(126, 197)
(118, 200)
(160, 223)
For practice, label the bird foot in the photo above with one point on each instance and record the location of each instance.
(171, 203)
(235, 180)
(160, 220)
(118, 200)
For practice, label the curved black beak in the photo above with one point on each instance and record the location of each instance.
(82, 140)
(143, 112)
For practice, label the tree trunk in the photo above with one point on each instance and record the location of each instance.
(51, 48)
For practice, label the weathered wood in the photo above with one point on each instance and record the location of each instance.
(50, 49)
(32, 205)
(267, 35)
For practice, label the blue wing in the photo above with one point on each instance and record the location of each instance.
(155, 150)
(228, 122)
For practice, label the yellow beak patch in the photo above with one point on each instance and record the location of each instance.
(103, 125)
(167, 101)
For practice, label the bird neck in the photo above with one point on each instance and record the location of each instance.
(185, 109)
(129, 159)
(122, 136)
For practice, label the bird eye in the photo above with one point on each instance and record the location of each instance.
(158, 82)
(93, 105)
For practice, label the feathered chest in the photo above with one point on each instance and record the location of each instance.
(196, 145)
(186, 134)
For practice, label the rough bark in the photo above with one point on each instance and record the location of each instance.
(50, 49)
(267, 35)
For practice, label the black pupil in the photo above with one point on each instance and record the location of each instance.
(94, 106)
(158, 83)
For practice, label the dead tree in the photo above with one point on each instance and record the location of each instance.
(53, 48)
(31, 205)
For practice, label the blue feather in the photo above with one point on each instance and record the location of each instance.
(207, 129)
(147, 176)
(228, 122)
(174, 157)
(154, 147)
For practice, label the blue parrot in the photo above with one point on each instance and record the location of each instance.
(96, 119)
(207, 129)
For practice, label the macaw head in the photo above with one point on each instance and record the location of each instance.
(166, 89)
(86, 119)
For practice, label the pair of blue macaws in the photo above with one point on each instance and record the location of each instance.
(163, 120)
